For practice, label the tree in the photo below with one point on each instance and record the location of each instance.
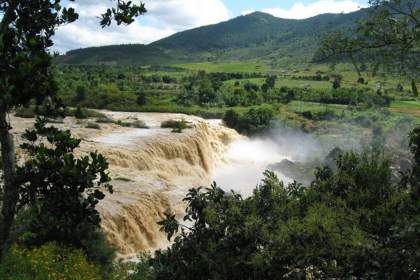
(206, 93)
(248, 86)
(388, 38)
(271, 81)
(253, 121)
(26, 31)
(141, 97)
(336, 81)
(80, 94)
(231, 118)
(59, 191)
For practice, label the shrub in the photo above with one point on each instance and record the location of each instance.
(177, 126)
(49, 261)
(80, 113)
(231, 118)
(135, 124)
(104, 119)
(253, 121)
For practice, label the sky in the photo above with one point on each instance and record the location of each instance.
(166, 17)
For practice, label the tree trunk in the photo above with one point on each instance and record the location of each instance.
(10, 191)
(414, 88)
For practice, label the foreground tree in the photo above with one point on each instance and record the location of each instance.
(59, 192)
(389, 38)
(26, 31)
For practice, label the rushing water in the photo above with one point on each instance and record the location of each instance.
(247, 161)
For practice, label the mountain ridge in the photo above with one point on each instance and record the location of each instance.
(254, 36)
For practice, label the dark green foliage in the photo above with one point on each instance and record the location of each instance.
(353, 222)
(248, 86)
(287, 95)
(80, 94)
(141, 98)
(414, 88)
(413, 179)
(202, 89)
(242, 97)
(124, 13)
(254, 121)
(336, 81)
(270, 82)
(388, 38)
(80, 113)
(60, 192)
(231, 118)
(135, 124)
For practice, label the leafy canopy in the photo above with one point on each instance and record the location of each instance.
(352, 222)
(60, 190)
(388, 38)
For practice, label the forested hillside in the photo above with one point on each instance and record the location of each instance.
(257, 35)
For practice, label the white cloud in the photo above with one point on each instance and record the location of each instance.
(164, 17)
(188, 13)
(302, 11)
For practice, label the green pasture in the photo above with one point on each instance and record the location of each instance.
(229, 67)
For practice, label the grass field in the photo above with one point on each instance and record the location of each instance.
(286, 73)
(229, 67)
(406, 107)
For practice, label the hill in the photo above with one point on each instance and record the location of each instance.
(257, 35)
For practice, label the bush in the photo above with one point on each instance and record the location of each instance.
(49, 261)
(104, 119)
(254, 121)
(135, 124)
(80, 113)
(177, 126)
(231, 118)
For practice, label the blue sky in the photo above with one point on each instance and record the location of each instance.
(238, 6)
(166, 17)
